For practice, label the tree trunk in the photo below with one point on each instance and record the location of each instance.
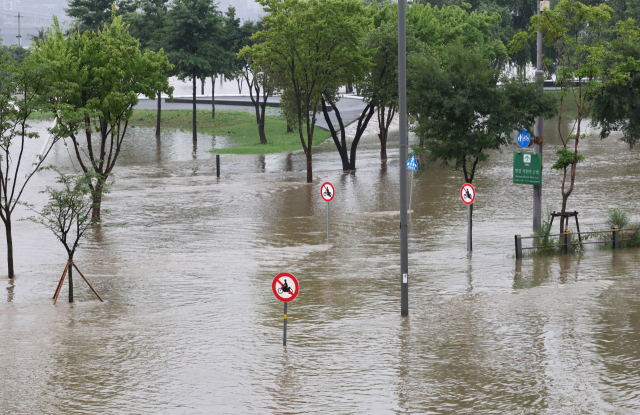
(202, 86)
(7, 229)
(97, 199)
(213, 97)
(263, 137)
(159, 113)
(195, 133)
(289, 128)
(383, 145)
(309, 169)
(69, 274)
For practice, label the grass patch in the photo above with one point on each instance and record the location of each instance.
(41, 115)
(569, 106)
(239, 126)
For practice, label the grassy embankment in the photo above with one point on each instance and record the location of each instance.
(239, 126)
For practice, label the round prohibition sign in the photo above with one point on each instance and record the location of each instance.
(285, 287)
(467, 194)
(327, 192)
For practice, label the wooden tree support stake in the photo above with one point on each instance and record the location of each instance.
(88, 283)
(64, 274)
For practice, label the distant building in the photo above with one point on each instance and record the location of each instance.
(245, 9)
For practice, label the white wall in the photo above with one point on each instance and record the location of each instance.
(245, 9)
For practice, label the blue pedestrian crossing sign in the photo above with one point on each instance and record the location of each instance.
(412, 164)
(524, 138)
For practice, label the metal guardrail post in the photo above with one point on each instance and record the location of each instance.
(616, 238)
(567, 241)
(518, 247)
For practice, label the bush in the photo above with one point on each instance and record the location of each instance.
(617, 218)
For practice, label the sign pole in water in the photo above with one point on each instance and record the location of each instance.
(285, 287)
(468, 196)
(412, 164)
(327, 192)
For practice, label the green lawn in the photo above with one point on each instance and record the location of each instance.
(239, 126)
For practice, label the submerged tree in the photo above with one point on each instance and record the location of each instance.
(68, 215)
(310, 44)
(193, 41)
(587, 53)
(146, 25)
(106, 72)
(23, 90)
(463, 108)
(380, 86)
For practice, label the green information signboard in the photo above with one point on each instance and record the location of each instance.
(527, 168)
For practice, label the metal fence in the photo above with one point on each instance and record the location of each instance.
(568, 242)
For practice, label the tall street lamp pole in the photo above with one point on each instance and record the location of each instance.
(19, 36)
(404, 143)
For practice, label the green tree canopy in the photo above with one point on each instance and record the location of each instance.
(587, 52)
(463, 107)
(311, 44)
(102, 73)
(193, 39)
(380, 86)
(91, 15)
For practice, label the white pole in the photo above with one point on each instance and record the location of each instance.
(46, 143)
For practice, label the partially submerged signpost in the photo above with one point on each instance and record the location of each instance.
(468, 196)
(412, 164)
(327, 192)
(285, 287)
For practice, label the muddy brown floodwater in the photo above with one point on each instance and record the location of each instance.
(190, 326)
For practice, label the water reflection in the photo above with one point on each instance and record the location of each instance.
(189, 308)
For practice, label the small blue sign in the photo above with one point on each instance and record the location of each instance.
(524, 138)
(412, 164)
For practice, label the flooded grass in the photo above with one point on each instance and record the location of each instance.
(239, 126)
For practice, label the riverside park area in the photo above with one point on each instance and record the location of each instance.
(184, 261)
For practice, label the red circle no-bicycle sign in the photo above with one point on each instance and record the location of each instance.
(327, 192)
(285, 287)
(467, 194)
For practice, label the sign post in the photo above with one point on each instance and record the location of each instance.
(327, 192)
(468, 196)
(285, 287)
(412, 164)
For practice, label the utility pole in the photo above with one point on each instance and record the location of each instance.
(537, 130)
(404, 143)
(19, 36)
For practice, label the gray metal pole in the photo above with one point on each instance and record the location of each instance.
(469, 223)
(328, 203)
(284, 332)
(537, 132)
(217, 165)
(19, 36)
(404, 143)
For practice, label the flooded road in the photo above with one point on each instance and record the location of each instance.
(190, 326)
